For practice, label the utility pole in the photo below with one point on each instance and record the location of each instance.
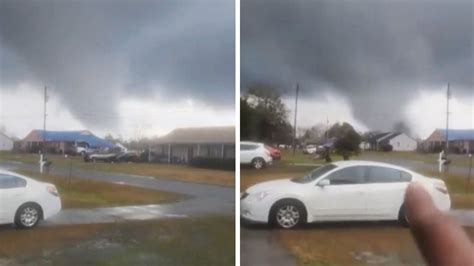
(448, 96)
(43, 148)
(296, 111)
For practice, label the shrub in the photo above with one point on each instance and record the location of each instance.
(386, 147)
(214, 163)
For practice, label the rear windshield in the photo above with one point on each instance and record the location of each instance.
(313, 175)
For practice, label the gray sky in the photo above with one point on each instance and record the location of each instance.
(376, 61)
(117, 66)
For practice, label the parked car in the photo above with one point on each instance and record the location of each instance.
(128, 156)
(274, 152)
(101, 157)
(340, 191)
(310, 149)
(25, 201)
(255, 154)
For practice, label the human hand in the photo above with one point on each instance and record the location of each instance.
(440, 239)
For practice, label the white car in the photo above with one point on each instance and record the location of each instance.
(254, 153)
(340, 191)
(25, 201)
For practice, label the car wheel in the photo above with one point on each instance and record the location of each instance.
(288, 214)
(402, 217)
(258, 163)
(28, 216)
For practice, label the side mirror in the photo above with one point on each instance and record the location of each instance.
(324, 182)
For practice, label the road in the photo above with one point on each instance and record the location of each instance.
(199, 200)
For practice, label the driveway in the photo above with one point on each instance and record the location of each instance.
(203, 199)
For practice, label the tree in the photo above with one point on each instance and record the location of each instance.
(263, 116)
(347, 139)
(313, 134)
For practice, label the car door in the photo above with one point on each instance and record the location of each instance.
(385, 191)
(247, 152)
(12, 195)
(343, 198)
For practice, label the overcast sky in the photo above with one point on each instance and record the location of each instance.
(130, 68)
(371, 63)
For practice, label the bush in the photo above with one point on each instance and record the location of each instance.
(386, 147)
(214, 163)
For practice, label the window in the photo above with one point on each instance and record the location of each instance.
(9, 181)
(379, 174)
(313, 175)
(247, 147)
(348, 176)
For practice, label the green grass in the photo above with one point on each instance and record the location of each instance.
(191, 241)
(82, 193)
(169, 171)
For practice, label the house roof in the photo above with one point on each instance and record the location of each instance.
(3, 134)
(376, 137)
(204, 135)
(457, 134)
(79, 136)
(389, 136)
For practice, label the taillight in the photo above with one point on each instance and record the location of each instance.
(52, 190)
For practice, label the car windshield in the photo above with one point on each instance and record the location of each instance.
(313, 175)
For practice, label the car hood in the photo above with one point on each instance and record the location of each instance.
(275, 185)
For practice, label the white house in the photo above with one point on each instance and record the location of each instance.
(6, 143)
(399, 142)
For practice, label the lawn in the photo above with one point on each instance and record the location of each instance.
(199, 241)
(168, 171)
(353, 244)
(431, 158)
(82, 193)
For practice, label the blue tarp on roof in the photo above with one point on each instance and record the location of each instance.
(79, 136)
(458, 134)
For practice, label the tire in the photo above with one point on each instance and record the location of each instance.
(28, 216)
(402, 217)
(288, 214)
(258, 163)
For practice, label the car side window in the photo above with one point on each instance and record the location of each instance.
(248, 147)
(9, 181)
(378, 174)
(348, 176)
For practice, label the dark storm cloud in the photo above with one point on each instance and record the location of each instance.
(92, 53)
(375, 53)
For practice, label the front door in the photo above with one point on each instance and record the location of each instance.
(344, 198)
(12, 194)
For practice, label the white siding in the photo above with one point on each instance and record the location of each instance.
(403, 142)
(6, 144)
